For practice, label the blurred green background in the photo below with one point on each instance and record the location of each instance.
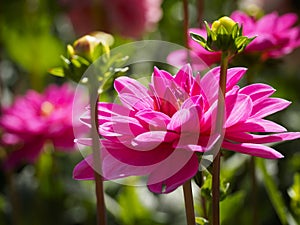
(34, 33)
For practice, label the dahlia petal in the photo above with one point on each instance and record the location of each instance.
(233, 76)
(267, 23)
(83, 170)
(150, 140)
(133, 101)
(27, 154)
(114, 169)
(239, 109)
(186, 120)
(133, 157)
(161, 81)
(256, 125)
(184, 78)
(262, 139)
(210, 82)
(257, 92)
(62, 143)
(210, 85)
(132, 93)
(253, 149)
(121, 128)
(173, 172)
(111, 169)
(180, 58)
(154, 119)
(268, 107)
(286, 21)
(196, 89)
(242, 18)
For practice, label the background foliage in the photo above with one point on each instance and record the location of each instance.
(34, 34)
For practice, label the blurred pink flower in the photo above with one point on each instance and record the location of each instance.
(161, 131)
(127, 18)
(33, 120)
(276, 37)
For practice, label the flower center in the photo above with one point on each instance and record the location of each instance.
(47, 108)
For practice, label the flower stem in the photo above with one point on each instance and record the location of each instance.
(189, 203)
(219, 128)
(101, 210)
(187, 187)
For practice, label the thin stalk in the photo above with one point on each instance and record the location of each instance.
(101, 210)
(187, 188)
(189, 203)
(200, 10)
(219, 127)
(185, 22)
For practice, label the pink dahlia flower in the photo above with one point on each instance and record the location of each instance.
(276, 36)
(163, 130)
(33, 120)
(128, 18)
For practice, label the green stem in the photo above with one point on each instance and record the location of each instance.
(99, 189)
(219, 128)
(189, 203)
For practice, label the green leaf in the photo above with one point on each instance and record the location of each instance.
(275, 196)
(206, 188)
(201, 221)
(231, 205)
(294, 193)
(198, 38)
(137, 211)
(57, 71)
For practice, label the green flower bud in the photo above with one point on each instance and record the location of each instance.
(224, 35)
(90, 46)
(224, 22)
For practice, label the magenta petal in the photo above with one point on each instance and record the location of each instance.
(267, 23)
(150, 140)
(286, 21)
(155, 119)
(238, 110)
(111, 169)
(122, 127)
(268, 107)
(184, 78)
(253, 149)
(186, 120)
(257, 92)
(256, 125)
(179, 58)
(233, 76)
(262, 139)
(129, 155)
(132, 93)
(27, 154)
(135, 102)
(114, 169)
(173, 172)
(161, 81)
(83, 170)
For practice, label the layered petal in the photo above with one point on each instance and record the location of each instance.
(253, 149)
